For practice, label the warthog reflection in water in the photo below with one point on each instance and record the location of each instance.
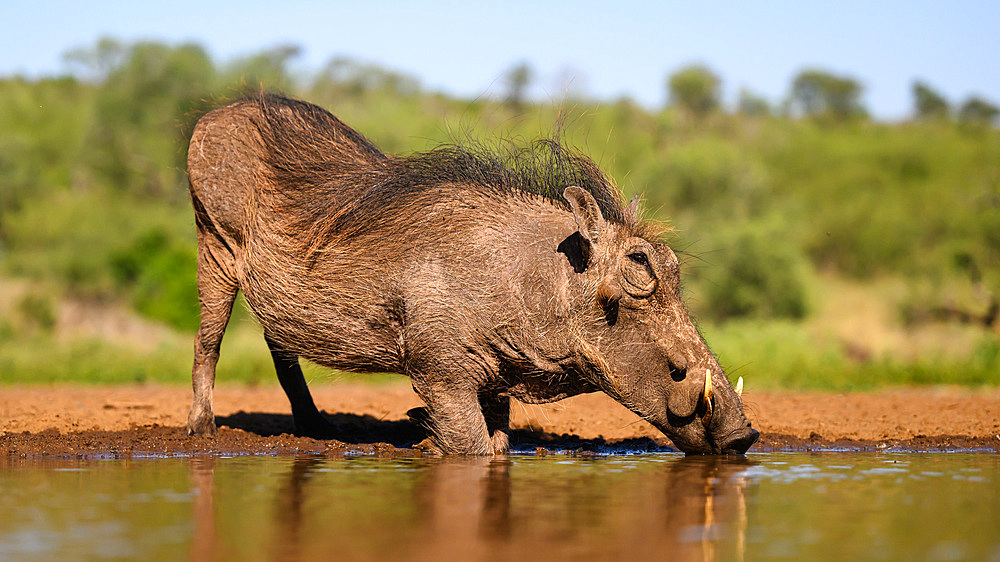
(684, 508)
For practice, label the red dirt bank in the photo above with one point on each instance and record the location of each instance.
(68, 420)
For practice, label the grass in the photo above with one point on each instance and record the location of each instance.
(768, 354)
(784, 356)
(33, 350)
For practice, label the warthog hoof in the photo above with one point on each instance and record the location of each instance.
(203, 426)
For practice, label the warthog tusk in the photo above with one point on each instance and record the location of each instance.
(707, 396)
(739, 387)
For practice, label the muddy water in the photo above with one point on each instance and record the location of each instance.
(806, 506)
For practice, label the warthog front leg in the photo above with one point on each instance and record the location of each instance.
(455, 419)
(496, 411)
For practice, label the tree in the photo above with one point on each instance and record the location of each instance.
(752, 104)
(694, 88)
(928, 104)
(764, 275)
(268, 68)
(817, 93)
(93, 64)
(347, 76)
(144, 110)
(516, 81)
(977, 111)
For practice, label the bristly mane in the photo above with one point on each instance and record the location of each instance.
(544, 168)
(331, 180)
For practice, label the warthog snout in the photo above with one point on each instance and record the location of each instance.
(738, 441)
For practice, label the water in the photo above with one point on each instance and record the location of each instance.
(801, 506)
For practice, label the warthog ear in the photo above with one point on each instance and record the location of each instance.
(588, 215)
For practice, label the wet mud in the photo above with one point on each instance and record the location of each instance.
(269, 434)
(121, 422)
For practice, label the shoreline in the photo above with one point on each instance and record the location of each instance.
(110, 421)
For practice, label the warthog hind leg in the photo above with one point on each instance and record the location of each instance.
(216, 292)
(309, 422)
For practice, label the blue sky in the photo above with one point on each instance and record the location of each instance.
(610, 48)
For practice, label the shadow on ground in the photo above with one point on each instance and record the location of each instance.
(357, 429)
(256, 433)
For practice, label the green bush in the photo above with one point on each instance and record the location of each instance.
(36, 312)
(705, 175)
(759, 273)
(161, 274)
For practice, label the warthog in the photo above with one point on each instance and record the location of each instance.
(480, 276)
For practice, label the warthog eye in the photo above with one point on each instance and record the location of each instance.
(639, 281)
(639, 258)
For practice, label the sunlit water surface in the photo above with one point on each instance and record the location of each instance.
(805, 506)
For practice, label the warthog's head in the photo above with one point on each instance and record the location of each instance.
(635, 340)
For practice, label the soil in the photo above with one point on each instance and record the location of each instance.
(148, 420)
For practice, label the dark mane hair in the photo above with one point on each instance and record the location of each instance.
(542, 168)
(330, 180)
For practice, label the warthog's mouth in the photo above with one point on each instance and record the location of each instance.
(738, 441)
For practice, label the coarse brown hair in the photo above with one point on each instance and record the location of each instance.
(328, 179)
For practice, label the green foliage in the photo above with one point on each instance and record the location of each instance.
(820, 94)
(708, 173)
(694, 88)
(93, 198)
(760, 274)
(267, 69)
(75, 238)
(343, 77)
(977, 111)
(752, 105)
(927, 103)
(42, 138)
(35, 312)
(93, 63)
(161, 273)
(145, 110)
(41, 360)
(783, 355)
(516, 81)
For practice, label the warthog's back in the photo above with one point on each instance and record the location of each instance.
(267, 147)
